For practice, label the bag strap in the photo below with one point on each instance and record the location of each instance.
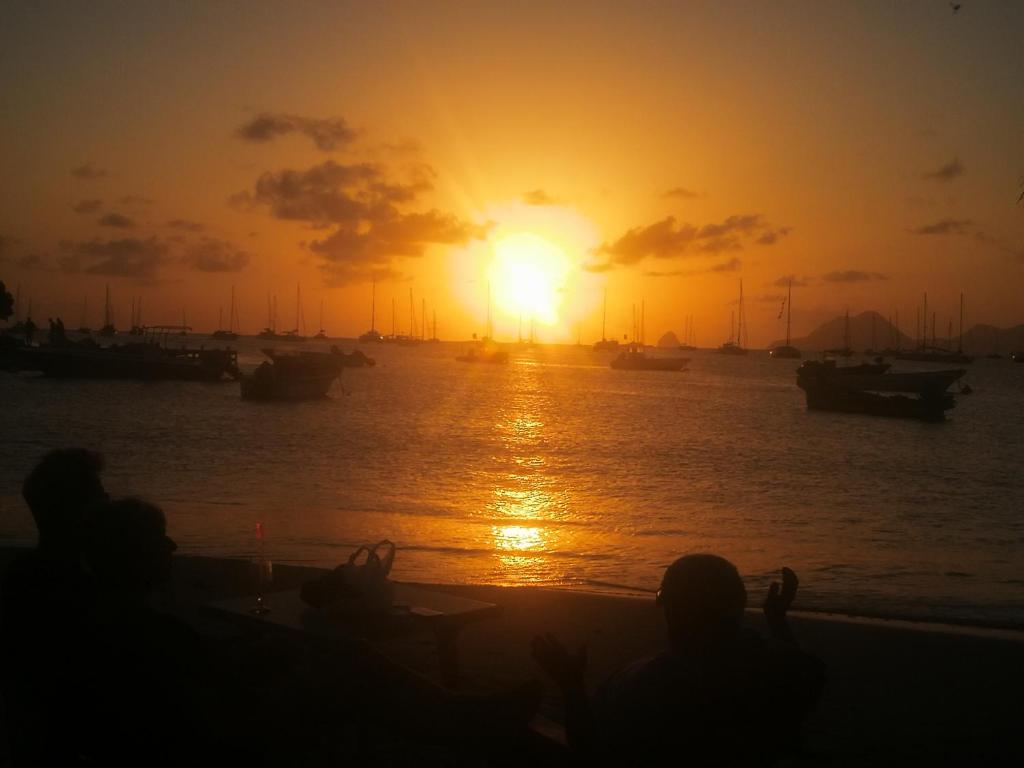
(388, 559)
(355, 555)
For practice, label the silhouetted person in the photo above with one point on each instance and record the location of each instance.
(45, 600)
(718, 696)
(147, 670)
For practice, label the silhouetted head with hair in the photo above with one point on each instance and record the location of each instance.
(703, 598)
(127, 548)
(58, 490)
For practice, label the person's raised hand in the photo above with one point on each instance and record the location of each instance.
(779, 600)
(564, 668)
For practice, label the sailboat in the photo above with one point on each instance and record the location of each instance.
(735, 346)
(270, 332)
(605, 344)
(230, 334)
(847, 349)
(410, 340)
(634, 358)
(372, 336)
(933, 354)
(787, 350)
(300, 319)
(487, 351)
(689, 337)
(321, 334)
(136, 328)
(108, 328)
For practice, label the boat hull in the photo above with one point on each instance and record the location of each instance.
(931, 407)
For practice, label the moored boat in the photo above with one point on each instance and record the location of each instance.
(292, 376)
(865, 389)
(635, 359)
(787, 351)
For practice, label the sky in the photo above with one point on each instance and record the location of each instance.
(545, 154)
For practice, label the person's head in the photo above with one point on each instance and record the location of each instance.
(59, 489)
(126, 546)
(703, 598)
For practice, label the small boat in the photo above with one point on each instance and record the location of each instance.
(372, 336)
(228, 334)
(292, 376)
(633, 358)
(920, 395)
(485, 354)
(1017, 357)
(787, 351)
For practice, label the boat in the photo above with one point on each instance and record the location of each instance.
(734, 346)
(107, 329)
(1017, 357)
(633, 358)
(787, 351)
(847, 349)
(149, 359)
(933, 353)
(920, 395)
(300, 321)
(321, 335)
(229, 334)
(486, 353)
(605, 344)
(690, 338)
(372, 336)
(136, 328)
(354, 359)
(292, 376)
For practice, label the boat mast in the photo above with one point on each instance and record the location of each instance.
(231, 315)
(435, 323)
(924, 339)
(960, 343)
(106, 308)
(739, 327)
(423, 320)
(489, 328)
(392, 317)
(789, 309)
(412, 316)
(604, 314)
(373, 306)
(321, 313)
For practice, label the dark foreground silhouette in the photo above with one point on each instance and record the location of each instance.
(719, 695)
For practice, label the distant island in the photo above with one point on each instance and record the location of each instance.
(869, 330)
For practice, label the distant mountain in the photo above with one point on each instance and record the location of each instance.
(864, 328)
(669, 339)
(979, 340)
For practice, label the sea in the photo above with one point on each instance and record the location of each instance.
(556, 470)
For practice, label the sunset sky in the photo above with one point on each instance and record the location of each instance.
(661, 151)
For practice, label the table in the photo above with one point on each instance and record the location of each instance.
(444, 615)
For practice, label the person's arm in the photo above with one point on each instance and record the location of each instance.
(566, 671)
(777, 604)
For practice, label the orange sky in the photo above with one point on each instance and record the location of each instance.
(662, 151)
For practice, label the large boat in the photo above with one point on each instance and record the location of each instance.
(633, 358)
(149, 359)
(864, 389)
(734, 346)
(787, 351)
(107, 329)
(485, 353)
(292, 376)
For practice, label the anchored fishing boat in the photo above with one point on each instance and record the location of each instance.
(866, 389)
(292, 376)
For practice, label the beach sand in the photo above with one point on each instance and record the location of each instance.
(897, 693)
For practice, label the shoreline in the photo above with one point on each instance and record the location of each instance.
(1013, 631)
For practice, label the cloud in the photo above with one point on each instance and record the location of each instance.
(853, 276)
(366, 210)
(771, 236)
(945, 227)
(88, 172)
(538, 197)
(327, 133)
(88, 206)
(679, 193)
(947, 172)
(185, 224)
(214, 255)
(116, 220)
(128, 257)
(732, 265)
(137, 200)
(667, 239)
(797, 282)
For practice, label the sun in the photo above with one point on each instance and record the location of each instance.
(527, 275)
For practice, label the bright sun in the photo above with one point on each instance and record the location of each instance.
(527, 275)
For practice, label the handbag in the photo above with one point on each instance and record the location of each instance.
(354, 586)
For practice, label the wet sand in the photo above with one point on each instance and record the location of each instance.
(897, 693)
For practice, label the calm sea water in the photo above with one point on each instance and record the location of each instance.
(557, 470)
